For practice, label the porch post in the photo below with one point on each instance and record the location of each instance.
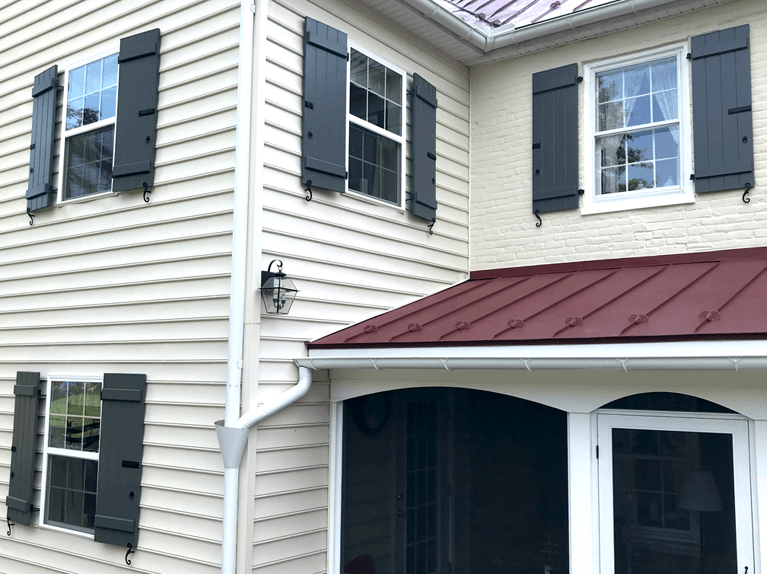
(581, 498)
(760, 451)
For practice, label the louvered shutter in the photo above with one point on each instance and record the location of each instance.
(136, 123)
(555, 139)
(24, 442)
(120, 454)
(423, 201)
(44, 92)
(323, 161)
(721, 103)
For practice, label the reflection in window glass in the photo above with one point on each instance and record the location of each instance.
(373, 164)
(375, 93)
(89, 163)
(635, 96)
(92, 92)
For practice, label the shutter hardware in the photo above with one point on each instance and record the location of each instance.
(130, 464)
(741, 109)
(146, 112)
(309, 188)
(128, 553)
(31, 217)
(744, 198)
(8, 519)
(538, 217)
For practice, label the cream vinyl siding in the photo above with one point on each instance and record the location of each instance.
(118, 285)
(350, 257)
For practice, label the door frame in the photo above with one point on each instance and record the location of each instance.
(743, 476)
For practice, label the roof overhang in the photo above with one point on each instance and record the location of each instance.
(473, 46)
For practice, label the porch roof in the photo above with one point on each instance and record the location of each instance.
(698, 296)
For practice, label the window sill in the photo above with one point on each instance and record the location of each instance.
(373, 200)
(46, 526)
(86, 198)
(641, 200)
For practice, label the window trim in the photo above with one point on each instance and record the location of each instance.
(685, 192)
(401, 139)
(41, 521)
(60, 199)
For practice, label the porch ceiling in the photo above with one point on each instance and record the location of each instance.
(698, 296)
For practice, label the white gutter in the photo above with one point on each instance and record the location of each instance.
(507, 37)
(721, 363)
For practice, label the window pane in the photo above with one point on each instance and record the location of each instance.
(664, 75)
(74, 433)
(93, 77)
(667, 172)
(73, 508)
(611, 116)
(91, 430)
(58, 470)
(75, 474)
(637, 111)
(56, 431)
(648, 509)
(393, 86)
(110, 71)
(108, 103)
(75, 403)
(613, 180)
(609, 86)
(56, 504)
(94, 149)
(377, 78)
(359, 70)
(71, 492)
(75, 113)
(357, 102)
(378, 173)
(393, 118)
(59, 398)
(388, 154)
(636, 81)
(639, 146)
(665, 106)
(89, 510)
(376, 110)
(76, 83)
(647, 474)
(611, 150)
(355, 141)
(91, 474)
(91, 112)
(667, 142)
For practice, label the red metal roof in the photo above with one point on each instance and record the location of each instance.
(489, 14)
(717, 295)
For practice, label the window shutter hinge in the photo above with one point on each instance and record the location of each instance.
(32, 146)
(692, 177)
(689, 56)
(348, 57)
(308, 104)
(580, 79)
(581, 191)
(346, 175)
(13, 449)
(597, 451)
(146, 112)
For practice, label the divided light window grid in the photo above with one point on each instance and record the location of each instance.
(71, 453)
(91, 103)
(637, 127)
(375, 128)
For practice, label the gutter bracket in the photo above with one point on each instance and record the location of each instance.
(444, 363)
(526, 365)
(623, 363)
(735, 363)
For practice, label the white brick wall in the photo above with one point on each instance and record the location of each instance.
(503, 232)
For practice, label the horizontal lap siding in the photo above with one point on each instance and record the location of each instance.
(119, 285)
(350, 259)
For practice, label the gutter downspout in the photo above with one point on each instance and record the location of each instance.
(238, 276)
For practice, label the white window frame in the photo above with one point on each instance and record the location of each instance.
(401, 139)
(639, 199)
(65, 134)
(47, 450)
(735, 425)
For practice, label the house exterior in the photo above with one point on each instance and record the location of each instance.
(414, 456)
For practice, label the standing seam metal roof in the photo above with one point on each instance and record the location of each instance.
(718, 295)
(489, 14)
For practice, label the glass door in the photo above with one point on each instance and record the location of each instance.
(674, 493)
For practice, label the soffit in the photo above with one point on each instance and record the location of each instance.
(701, 296)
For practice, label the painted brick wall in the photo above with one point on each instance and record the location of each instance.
(503, 232)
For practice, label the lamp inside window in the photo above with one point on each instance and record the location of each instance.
(277, 290)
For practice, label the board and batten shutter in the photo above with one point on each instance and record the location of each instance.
(120, 453)
(721, 110)
(44, 93)
(136, 123)
(555, 139)
(323, 161)
(24, 442)
(424, 153)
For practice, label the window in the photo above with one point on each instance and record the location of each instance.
(71, 453)
(89, 130)
(638, 121)
(376, 95)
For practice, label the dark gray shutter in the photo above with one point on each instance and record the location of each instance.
(120, 452)
(721, 110)
(136, 122)
(555, 139)
(423, 202)
(24, 442)
(40, 187)
(323, 161)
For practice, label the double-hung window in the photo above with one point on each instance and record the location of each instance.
(89, 128)
(71, 453)
(638, 138)
(376, 128)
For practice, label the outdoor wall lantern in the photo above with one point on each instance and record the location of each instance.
(277, 290)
